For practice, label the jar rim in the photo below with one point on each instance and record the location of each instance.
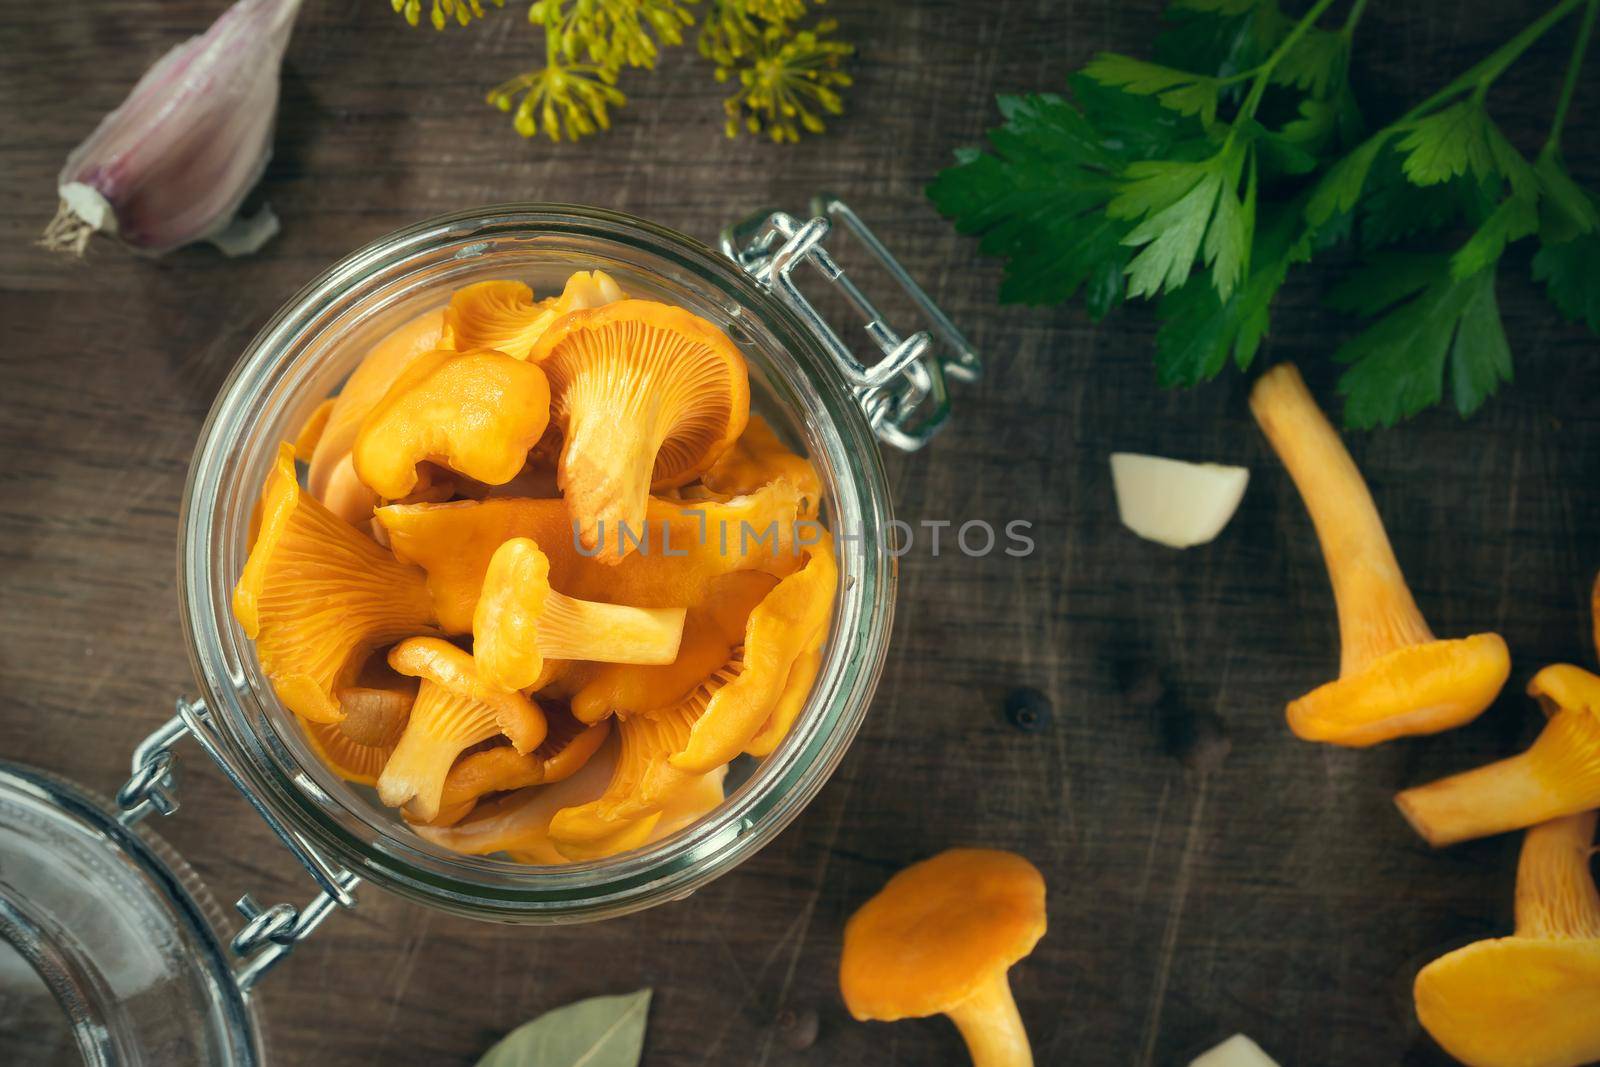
(778, 790)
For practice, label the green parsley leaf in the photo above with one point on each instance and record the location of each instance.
(1513, 219)
(1448, 143)
(1221, 39)
(1565, 209)
(1182, 91)
(1397, 364)
(1341, 186)
(1568, 272)
(1200, 330)
(1392, 208)
(1315, 65)
(1038, 201)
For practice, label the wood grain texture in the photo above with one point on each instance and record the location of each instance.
(1280, 895)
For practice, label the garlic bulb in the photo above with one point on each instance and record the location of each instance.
(173, 163)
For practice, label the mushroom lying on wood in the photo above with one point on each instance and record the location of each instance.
(1558, 775)
(939, 939)
(1528, 1000)
(1395, 677)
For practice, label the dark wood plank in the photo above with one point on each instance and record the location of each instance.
(1280, 895)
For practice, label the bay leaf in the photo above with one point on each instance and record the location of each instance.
(597, 1032)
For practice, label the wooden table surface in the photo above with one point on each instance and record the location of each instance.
(1280, 895)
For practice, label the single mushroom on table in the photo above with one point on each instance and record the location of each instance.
(1529, 1000)
(939, 939)
(454, 710)
(477, 413)
(1558, 775)
(521, 622)
(645, 396)
(1395, 677)
(692, 545)
(317, 597)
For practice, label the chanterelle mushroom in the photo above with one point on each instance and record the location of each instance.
(504, 315)
(1558, 775)
(790, 622)
(646, 395)
(1395, 677)
(1529, 1000)
(318, 596)
(939, 938)
(454, 710)
(477, 413)
(520, 622)
(691, 546)
(566, 747)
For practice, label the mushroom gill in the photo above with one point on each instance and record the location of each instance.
(317, 597)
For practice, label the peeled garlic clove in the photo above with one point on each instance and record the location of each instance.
(1237, 1051)
(173, 163)
(1175, 503)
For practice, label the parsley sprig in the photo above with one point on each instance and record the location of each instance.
(1201, 178)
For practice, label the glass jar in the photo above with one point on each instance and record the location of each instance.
(804, 379)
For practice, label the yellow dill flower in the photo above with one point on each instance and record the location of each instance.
(786, 85)
(788, 77)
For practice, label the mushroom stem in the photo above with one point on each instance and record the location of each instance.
(1528, 788)
(992, 1028)
(443, 725)
(1556, 895)
(1376, 611)
(571, 628)
(608, 459)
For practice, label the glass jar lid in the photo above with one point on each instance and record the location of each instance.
(108, 940)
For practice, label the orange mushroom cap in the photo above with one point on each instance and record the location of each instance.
(454, 710)
(504, 315)
(692, 544)
(305, 442)
(1558, 775)
(788, 622)
(476, 412)
(1528, 1000)
(1395, 677)
(646, 395)
(520, 622)
(939, 939)
(317, 597)
(384, 362)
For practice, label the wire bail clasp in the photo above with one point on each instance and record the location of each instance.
(904, 394)
(269, 933)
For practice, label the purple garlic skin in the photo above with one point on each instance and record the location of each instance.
(172, 164)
